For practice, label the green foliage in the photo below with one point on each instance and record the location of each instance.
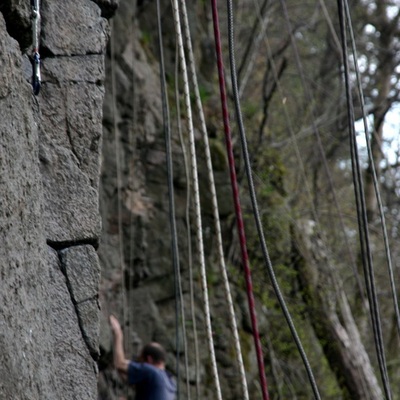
(250, 109)
(218, 155)
(246, 342)
(213, 276)
(145, 39)
(205, 94)
(270, 175)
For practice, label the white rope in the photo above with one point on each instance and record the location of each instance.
(196, 198)
(217, 225)
(36, 24)
(189, 247)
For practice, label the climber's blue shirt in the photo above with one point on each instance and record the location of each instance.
(151, 383)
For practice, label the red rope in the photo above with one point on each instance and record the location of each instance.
(236, 199)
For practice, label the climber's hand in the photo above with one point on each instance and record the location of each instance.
(115, 325)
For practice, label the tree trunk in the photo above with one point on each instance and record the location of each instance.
(331, 317)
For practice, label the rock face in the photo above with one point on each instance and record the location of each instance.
(50, 225)
(83, 189)
(135, 252)
(49, 211)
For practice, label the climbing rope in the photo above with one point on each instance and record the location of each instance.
(119, 182)
(170, 174)
(366, 255)
(255, 203)
(189, 246)
(310, 100)
(198, 221)
(217, 225)
(124, 299)
(132, 176)
(287, 118)
(374, 175)
(236, 199)
(36, 78)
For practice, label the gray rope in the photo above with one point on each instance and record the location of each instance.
(187, 217)
(254, 202)
(374, 175)
(366, 255)
(198, 221)
(214, 201)
(170, 175)
(310, 100)
(119, 181)
(188, 232)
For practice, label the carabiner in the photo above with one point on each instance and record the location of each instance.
(36, 78)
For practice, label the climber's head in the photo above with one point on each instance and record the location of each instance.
(153, 353)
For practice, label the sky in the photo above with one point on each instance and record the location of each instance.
(391, 130)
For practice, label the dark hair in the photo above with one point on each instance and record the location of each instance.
(155, 351)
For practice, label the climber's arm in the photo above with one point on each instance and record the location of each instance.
(120, 362)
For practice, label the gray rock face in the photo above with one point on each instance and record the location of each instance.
(138, 285)
(23, 274)
(71, 108)
(17, 15)
(76, 371)
(71, 202)
(73, 28)
(50, 153)
(81, 268)
(49, 174)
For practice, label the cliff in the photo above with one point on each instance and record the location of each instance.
(85, 219)
(49, 210)
(51, 226)
(137, 265)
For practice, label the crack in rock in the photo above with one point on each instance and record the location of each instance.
(18, 21)
(107, 7)
(81, 269)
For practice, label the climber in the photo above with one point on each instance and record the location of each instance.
(148, 375)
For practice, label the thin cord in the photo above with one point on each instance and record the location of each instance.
(255, 203)
(374, 175)
(119, 183)
(198, 221)
(236, 199)
(188, 231)
(132, 176)
(310, 100)
(189, 235)
(217, 225)
(287, 117)
(187, 216)
(253, 45)
(330, 24)
(294, 137)
(362, 215)
(170, 173)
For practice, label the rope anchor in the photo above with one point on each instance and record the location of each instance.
(36, 77)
